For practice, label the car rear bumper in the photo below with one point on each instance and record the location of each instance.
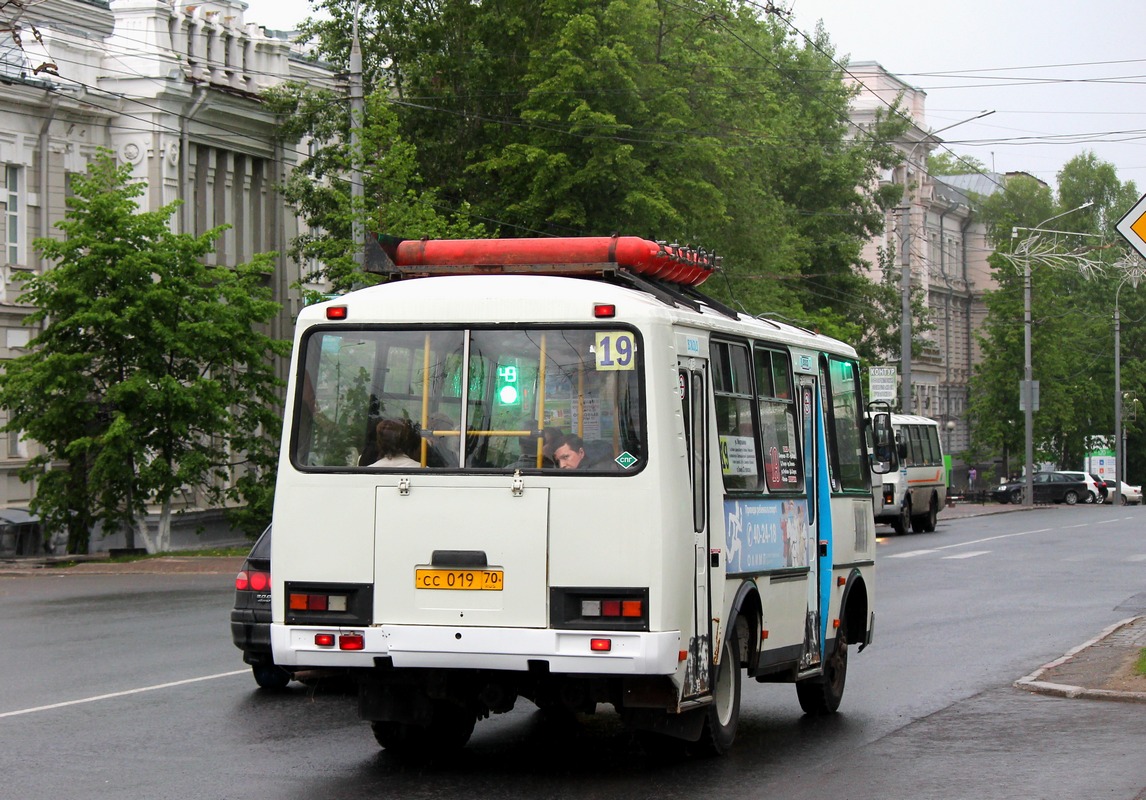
(251, 631)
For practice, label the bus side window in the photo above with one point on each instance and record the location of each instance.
(778, 439)
(735, 424)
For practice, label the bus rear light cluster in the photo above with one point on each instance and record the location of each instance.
(613, 608)
(317, 602)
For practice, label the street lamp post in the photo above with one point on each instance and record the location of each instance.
(1028, 394)
(1133, 274)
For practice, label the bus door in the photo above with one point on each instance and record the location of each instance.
(694, 406)
(818, 516)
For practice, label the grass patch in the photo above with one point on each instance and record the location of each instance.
(1140, 666)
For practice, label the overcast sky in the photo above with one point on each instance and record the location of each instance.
(1062, 77)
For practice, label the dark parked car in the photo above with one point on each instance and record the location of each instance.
(1050, 487)
(251, 616)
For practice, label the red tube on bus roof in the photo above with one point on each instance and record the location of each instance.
(673, 263)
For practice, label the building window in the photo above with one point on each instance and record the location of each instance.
(13, 206)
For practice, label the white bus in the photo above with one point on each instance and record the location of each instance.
(915, 489)
(711, 516)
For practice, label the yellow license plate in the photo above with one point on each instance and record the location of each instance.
(488, 579)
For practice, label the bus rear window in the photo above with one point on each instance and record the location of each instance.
(482, 399)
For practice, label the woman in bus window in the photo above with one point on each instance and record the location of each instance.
(395, 440)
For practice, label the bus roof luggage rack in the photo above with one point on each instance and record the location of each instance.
(670, 272)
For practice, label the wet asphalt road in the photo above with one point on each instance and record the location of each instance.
(129, 687)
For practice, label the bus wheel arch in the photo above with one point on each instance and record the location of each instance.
(722, 717)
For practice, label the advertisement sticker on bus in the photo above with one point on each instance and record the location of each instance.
(767, 534)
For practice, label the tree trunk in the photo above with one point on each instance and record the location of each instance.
(163, 531)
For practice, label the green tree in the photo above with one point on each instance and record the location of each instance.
(395, 200)
(709, 124)
(946, 162)
(1071, 306)
(148, 373)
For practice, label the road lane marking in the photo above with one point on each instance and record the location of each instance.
(911, 554)
(972, 554)
(125, 693)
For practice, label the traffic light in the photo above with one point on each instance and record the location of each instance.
(508, 392)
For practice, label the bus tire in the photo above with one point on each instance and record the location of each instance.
(902, 523)
(448, 731)
(932, 518)
(822, 695)
(723, 715)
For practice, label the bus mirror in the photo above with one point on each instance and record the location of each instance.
(883, 443)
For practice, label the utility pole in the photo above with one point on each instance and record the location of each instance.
(357, 112)
(1026, 388)
(905, 406)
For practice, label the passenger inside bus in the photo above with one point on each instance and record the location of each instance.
(396, 441)
(570, 452)
(528, 457)
(441, 452)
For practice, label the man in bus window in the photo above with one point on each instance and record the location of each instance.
(570, 452)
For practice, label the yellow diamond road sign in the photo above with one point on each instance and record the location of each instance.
(1132, 226)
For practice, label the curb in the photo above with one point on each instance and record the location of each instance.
(1032, 683)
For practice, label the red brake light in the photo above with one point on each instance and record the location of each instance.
(242, 581)
(351, 641)
(610, 608)
(336, 312)
(324, 639)
(604, 310)
(601, 645)
(260, 581)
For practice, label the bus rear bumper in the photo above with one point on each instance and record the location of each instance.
(513, 649)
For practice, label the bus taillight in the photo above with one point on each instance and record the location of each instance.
(613, 607)
(317, 602)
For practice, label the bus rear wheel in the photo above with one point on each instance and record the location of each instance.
(902, 523)
(822, 695)
(932, 516)
(450, 728)
(723, 715)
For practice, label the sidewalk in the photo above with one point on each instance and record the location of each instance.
(1100, 669)
(101, 565)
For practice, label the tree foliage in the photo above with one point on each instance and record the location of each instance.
(1071, 318)
(706, 123)
(148, 373)
(946, 162)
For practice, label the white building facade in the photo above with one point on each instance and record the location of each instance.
(170, 88)
(935, 237)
